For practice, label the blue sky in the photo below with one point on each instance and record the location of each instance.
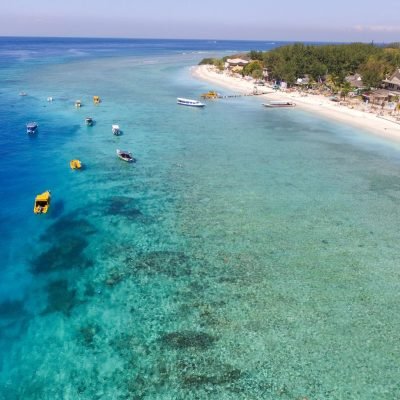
(322, 20)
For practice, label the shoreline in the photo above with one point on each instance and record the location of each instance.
(366, 120)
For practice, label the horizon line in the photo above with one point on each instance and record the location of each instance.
(189, 39)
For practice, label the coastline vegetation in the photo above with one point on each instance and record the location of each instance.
(329, 63)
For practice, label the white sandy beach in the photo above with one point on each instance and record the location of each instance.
(383, 126)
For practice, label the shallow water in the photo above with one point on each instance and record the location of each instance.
(249, 253)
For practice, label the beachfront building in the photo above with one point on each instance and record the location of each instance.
(393, 81)
(235, 64)
(355, 81)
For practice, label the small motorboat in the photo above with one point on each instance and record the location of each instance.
(125, 155)
(96, 100)
(42, 203)
(89, 121)
(50, 99)
(115, 130)
(78, 104)
(75, 164)
(22, 93)
(278, 104)
(31, 127)
(210, 95)
(189, 102)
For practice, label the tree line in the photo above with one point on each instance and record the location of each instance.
(331, 62)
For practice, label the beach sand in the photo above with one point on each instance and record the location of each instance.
(383, 126)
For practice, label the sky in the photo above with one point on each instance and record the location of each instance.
(291, 20)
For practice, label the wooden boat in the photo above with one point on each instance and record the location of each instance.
(115, 130)
(189, 102)
(89, 121)
(96, 100)
(42, 203)
(278, 104)
(125, 155)
(31, 127)
(75, 164)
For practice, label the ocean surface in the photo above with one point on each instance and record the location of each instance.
(247, 254)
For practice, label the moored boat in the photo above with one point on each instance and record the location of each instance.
(277, 104)
(189, 102)
(125, 155)
(210, 95)
(42, 203)
(75, 164)
(31, 127)
(89, 121)
(96, 99)
(78, 104)
(116, 130)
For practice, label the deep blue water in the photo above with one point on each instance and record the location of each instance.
(247, 254)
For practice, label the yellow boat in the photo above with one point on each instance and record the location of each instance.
(75, 164)
(210, 95)
(42, 203)
(96, 99)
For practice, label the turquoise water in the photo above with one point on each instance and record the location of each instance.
(248, 254)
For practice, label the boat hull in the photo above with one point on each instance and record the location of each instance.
(75, 164)
(125, 156)
(279, 105)
(189, 102)
(42, 203)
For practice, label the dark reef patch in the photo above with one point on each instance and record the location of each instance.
(64, 256)
(61, 298)
(14, 319)
(12, 309)
(170, 263)
(223, 378)
(65, 226)
(114, 277)
(122, 205)
(187, 339)
(87, 334)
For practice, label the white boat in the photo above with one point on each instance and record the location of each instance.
(189, 102)
(277, 104)
(125, 155)
(115, 130)
(31, 127)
